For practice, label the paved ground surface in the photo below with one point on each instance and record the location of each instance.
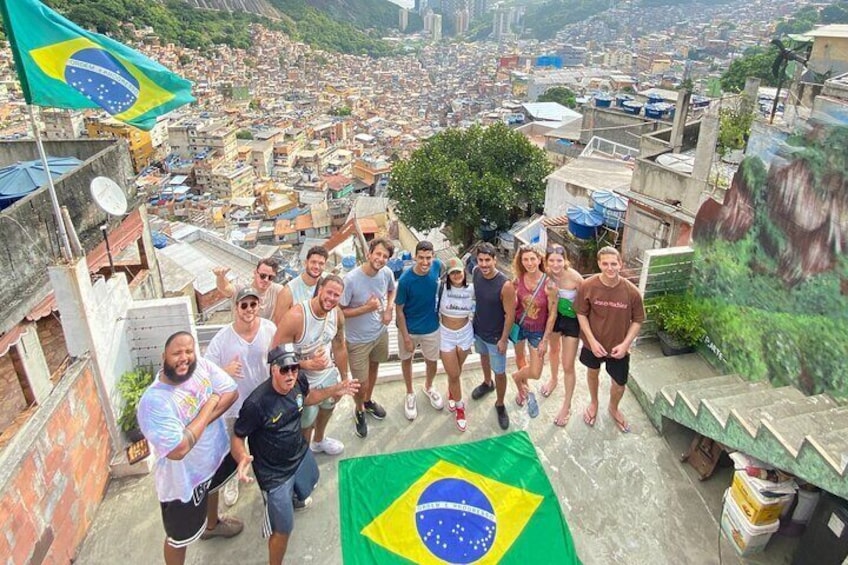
(626, 497)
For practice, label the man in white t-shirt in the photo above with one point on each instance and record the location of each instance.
(241, 349)
(179, 414)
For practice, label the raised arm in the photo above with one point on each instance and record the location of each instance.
(224, 286)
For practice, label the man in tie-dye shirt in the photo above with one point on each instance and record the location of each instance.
(179, 415)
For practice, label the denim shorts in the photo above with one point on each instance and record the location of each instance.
(279, 509)
(534, 338)
(497, 360)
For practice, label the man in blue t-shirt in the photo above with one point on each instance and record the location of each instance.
(418, 323)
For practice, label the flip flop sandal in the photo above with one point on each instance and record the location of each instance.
(589, 419)
(532, 405)
(543, 390)
(622, 425)
(520, 400)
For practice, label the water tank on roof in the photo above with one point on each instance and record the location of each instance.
(611, 206)
(583, 222)
(396, 265)
(348, 262)
(632, 107)
(655, 99)
(620, 99)
(603, 100)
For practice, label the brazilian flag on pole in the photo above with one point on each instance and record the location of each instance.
(483, 502)
(63, 66)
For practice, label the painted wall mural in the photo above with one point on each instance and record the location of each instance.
(771, 270)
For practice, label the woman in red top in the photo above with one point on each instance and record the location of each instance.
(535, 313)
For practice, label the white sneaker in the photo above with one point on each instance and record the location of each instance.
(231, 492)
(451, 404)
(409, 407)
(302, 504)
(327, 445)
(435, 398)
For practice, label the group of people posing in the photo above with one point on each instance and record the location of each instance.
(321, 337)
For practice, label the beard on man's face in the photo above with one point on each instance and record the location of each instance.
(171, 372)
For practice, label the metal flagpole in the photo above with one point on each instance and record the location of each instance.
(64, 244)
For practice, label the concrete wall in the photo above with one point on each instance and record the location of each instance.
(598, 118)
(149, 323)
(54, 473)
(27, 231)
(667, 185)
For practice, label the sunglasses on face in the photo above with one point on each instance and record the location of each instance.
(289, 369)
(265, 276)
(246, 305)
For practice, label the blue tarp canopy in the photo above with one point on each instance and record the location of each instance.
(22, 178)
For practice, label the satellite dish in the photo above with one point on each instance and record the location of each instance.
(109, 196)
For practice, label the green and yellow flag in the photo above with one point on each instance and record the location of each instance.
(61, 65)
(483, 502)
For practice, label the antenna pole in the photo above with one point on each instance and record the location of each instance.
(64, 244)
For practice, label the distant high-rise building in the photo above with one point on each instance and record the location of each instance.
(501, 23)
(478, 8)
(462, 20)
(403, 19)
(62, 124)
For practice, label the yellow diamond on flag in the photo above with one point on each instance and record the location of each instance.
(453, 515)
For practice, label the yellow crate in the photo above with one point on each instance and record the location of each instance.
(758, 509)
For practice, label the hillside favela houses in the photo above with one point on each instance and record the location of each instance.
(289, 146)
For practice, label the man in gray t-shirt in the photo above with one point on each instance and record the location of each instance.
(368, 304)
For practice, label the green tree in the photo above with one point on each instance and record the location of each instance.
(734, 127)
(465, 177)
(340, 111)
(244, 134)
(560, 95)
(755, 62)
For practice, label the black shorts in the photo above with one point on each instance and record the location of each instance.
(185, 521)
(618, 369)
(568, 327)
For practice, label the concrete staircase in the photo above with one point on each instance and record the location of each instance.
(804, 435)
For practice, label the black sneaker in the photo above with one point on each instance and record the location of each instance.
(375, 410)
(361, 424)
(482, 390)
(503, 417)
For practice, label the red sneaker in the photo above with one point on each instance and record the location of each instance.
(461, 423)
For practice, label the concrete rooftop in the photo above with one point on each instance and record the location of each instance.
(626, 497)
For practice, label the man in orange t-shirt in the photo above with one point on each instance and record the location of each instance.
(610, 311)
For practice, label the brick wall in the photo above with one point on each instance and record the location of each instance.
(54, 473)
(12, 400)
(52, 341)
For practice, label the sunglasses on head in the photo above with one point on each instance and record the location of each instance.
(245, 305)
(559, 249)
(289, 369)
(265, 276)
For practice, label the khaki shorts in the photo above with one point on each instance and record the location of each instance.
(427, 343)
(307, 417)
(359, 355)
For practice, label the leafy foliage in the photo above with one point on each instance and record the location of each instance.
(755, 62)
(464, 178)
(560, 95)
(545, 19)
(333, 25)
(132, 385)
(734, 127)
(679, 316)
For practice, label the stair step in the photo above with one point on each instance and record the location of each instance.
(791, 431)
(749, 413)
(721, 407)
(652, 374)
(694, 399)
(671, 392)
(833, 446)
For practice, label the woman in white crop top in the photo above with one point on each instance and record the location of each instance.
(566, 330)
(456, 306)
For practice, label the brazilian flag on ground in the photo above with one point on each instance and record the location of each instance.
(61, 65)
(483, 502)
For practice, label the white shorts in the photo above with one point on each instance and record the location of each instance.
(462, 338)
(427, 343)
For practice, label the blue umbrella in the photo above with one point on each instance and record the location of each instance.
(22, 178)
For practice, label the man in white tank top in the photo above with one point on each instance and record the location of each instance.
(302, 287)
(316, 327)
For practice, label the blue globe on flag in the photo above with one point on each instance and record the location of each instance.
(101, 78)
(455, 520)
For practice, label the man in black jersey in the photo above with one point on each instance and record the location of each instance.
(282, 462)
